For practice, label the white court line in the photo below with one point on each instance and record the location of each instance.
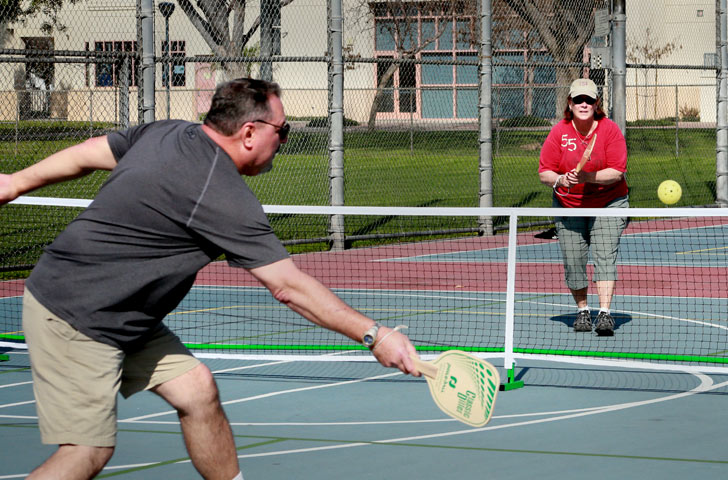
(705, 386)
(16, 384)
(375, 422)
(635, 312)
(268, 395)
(7, 405)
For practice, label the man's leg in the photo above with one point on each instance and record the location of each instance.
(75, 381)
(73, 462)
(207, 432)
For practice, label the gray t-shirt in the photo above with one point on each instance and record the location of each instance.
(174, 203)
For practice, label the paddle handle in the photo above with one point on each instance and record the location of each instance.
(587, 154)
(425, 368)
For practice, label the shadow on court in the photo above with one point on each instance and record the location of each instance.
(569, 319)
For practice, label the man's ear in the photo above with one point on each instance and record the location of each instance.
(246, 135)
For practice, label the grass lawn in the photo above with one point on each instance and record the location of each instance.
(388, 168)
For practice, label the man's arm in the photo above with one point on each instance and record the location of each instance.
(72, 162)
(311, 299)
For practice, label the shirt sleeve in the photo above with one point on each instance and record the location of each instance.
(121, 141)
(616, 149)
(550, 157)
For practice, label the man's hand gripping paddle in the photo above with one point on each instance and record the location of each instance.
(462, 385)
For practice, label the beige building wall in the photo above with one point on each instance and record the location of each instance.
(690, 26)
(304, 34)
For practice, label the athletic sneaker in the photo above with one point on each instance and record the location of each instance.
(583, 322)
(548, 234)
(605, 325)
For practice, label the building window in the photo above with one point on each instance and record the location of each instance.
(108, 74)
(428, 90)
(710, 59)
(176, 68)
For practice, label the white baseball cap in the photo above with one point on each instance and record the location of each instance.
(583, 86)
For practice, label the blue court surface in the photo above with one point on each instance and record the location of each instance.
(324, 419)
(358, 420)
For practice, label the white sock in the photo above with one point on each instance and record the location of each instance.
(605, 310)
(582, 309)
(239, 476)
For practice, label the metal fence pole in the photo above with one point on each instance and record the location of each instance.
(336, 122)
(146, 12)
(485, 107)
(124, 93)
(721, 158)
(619, 74)
(677, 118)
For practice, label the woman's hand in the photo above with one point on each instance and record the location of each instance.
(571, 178)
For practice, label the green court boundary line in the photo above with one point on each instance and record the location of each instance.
(15, 338)
(442, 348)
(630, 355)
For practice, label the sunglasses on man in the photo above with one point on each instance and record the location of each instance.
(281, 130)
(584, 99)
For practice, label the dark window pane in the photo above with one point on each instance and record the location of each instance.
(407, 93)
(386, 100)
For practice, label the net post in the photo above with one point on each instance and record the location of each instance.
(511, 382)
(508, 360)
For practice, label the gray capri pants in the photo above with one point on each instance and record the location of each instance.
(578, 234)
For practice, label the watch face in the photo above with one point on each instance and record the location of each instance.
(370, 336)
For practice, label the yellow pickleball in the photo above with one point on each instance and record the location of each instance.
(669, 192)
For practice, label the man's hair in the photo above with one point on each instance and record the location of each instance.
(598, 110)
(239, 101)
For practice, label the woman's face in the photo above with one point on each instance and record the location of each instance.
(583, 107)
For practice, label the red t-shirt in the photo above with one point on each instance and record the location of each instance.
(562, 151)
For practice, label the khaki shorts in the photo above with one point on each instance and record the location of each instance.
(76, 379)
(600, 235)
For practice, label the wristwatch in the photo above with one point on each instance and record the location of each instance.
(370, 336)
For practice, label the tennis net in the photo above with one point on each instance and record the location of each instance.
(501, 295)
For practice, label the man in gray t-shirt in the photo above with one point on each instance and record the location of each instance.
(173, 202)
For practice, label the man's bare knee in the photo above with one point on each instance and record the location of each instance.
(191, 391)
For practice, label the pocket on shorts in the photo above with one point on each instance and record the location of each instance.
(63, 330)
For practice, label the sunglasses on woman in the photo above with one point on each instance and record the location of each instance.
(584, 99)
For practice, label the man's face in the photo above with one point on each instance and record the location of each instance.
(269, 132)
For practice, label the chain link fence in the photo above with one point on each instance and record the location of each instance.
(412, 80)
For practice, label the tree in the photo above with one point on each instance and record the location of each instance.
(564, 28)
(398, 22)
(221, 23)
(13, 11)
(649, 53)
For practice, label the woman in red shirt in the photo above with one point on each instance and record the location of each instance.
(601, 183)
